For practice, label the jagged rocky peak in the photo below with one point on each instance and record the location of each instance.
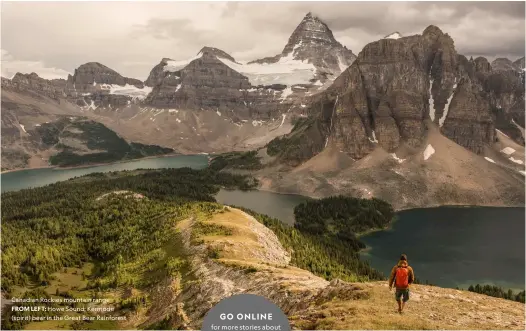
(504, 64)
(313, 42)
(432, 31)
(482, 65)
(216, 52)
(20, 77)
(394, 35)
(6, 82)
(53, 88)
(310, 31)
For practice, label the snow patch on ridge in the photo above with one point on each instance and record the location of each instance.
(286, 92)
(428, 152)
(283, 119)
(23, 127)
(394, 35)
(516, 161)
(502, 133)
(508, 151)
(127, 90)
(92, 105)
(489, 160)
(341, 65)
(446, 107)
(178, 65)
(374, 140)
(431, 102)
(513, 121)
(397, 158)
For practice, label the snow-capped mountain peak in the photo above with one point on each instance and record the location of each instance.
(394, 35)
(313, 42)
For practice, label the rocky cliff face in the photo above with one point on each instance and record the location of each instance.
(312, 41)
(502, 83)
(157, 74)
(207, 83)
(204, 82)
(520, 63)
(95, 85)
(32, 83)
(399, 86)
(91, 75)
(504, 64)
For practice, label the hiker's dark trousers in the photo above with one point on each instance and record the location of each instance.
(402, 293)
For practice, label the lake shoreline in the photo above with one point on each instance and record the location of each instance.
(300, 194)
(459, 205)
(433, 236)
(100, 164)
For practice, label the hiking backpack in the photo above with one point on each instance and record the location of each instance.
(402, 277)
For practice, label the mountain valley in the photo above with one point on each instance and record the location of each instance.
(260, 155)
(407, 119)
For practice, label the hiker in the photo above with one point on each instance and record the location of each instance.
(402, 276)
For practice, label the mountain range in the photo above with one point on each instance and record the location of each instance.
(408, 119)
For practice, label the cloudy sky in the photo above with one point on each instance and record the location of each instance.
(53, 39)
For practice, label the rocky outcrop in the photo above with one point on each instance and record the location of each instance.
(392, 88)
(207, 83)
(504, 64)
(520, 63)
(94, 85)
(157, 74)
(503, 87)
(313, 41)
(218, 53)
(34, 84)
(308, 138)
(89, 76)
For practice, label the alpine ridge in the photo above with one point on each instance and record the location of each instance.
(397, 101)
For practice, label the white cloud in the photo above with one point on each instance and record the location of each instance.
(10, 66)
